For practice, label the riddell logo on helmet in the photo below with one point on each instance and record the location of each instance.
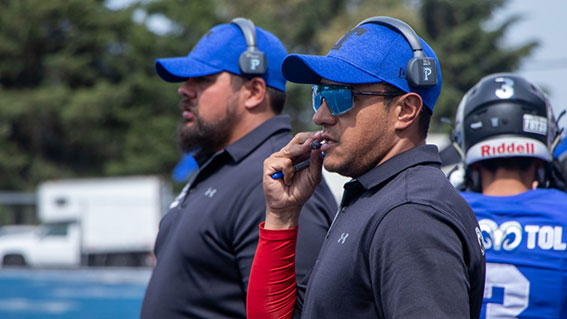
(507, 148)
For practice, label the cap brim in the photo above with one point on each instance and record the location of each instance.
(179, 69)
(309, 69)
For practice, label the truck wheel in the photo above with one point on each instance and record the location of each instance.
(14, 260)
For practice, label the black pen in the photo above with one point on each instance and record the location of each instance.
(301, 165)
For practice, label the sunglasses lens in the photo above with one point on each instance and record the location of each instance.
(338, 98)
(317, 99)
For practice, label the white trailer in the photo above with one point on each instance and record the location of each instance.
(95, 222)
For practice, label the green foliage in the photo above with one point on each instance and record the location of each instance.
(79, 95)
(466, 48)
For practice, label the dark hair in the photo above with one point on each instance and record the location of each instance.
(276, 98)
(424, 120)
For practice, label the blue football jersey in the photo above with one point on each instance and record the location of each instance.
(526, 253)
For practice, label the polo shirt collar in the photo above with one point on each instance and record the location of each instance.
(244, 146)
(418, 155)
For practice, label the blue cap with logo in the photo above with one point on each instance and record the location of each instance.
(219, 50)
(369, 53)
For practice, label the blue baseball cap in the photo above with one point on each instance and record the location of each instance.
(218, 50)
(370, 53)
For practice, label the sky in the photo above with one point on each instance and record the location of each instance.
(544, 21)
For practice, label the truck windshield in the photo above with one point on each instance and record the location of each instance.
(56, 229)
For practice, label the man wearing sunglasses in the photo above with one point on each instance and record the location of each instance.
(403, 244)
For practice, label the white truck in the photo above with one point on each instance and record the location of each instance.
(90, 222)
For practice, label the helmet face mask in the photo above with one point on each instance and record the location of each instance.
(503, 116)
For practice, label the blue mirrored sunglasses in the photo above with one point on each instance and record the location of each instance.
(339, 98)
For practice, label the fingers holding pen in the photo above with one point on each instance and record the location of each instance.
(278, 167)
(289, 176)
(298, 147)
(315, 158)
(299, 151)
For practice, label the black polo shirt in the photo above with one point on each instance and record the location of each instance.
(207, 240)
(404, 245)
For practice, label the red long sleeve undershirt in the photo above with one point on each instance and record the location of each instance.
(272, 286)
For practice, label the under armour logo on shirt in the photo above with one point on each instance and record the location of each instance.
(210, 192)
(343, 238)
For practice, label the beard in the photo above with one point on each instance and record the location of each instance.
(206, 136)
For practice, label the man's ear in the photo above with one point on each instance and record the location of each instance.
(255, 92)
(408, 108)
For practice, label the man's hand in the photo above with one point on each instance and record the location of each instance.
(286, 196)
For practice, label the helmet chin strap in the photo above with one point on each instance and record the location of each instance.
(541, 173)
(474, 182)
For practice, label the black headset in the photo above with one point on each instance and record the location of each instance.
(421, 71)
(252, 61)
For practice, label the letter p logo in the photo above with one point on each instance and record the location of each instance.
(254, 63)
(426, 73)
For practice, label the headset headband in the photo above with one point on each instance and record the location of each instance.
(252, 61)
(248, 29)
(421, 71)
(400, 27)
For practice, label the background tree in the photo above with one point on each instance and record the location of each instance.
(79, 95)
(467, 49)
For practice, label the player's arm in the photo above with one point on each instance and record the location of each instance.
(272, 285)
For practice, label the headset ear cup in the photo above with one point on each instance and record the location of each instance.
(252, 62)
(421, 72)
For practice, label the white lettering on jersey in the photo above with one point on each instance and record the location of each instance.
(516, 291)
(532, 233)
(509, 236)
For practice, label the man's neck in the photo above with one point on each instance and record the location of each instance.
(247, 124)
(504, 187)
